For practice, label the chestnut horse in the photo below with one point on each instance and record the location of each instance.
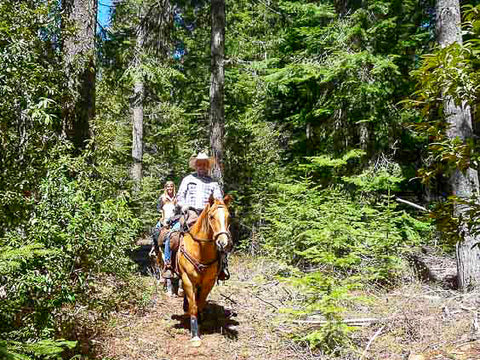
(199, 258)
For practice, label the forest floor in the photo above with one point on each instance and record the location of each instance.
(415, 321)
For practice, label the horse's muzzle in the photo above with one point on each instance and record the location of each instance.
(224, 242)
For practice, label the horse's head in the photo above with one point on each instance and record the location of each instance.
(218, 217)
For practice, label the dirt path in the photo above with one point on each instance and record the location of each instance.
(253, 331)
(414, 322)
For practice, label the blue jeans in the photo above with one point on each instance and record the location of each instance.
(167, 252)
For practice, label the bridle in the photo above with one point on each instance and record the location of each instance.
(215, 235)
(201, 267)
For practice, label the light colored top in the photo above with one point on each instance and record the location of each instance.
(166, 205)
(195, 191)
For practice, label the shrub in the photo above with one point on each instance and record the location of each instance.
(77, 229)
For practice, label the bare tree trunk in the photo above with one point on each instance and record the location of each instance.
(217, 79)
(340, 133)
(137, 107)
(79, 59)
(464, 184)
(341, 7)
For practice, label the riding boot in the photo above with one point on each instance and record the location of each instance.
(167, 270)
(223, 274)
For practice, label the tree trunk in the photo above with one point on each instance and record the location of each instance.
(464, 184)
(137, 113)
(217, 79)
(79, 59)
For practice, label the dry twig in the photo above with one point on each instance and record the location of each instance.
(371, 341)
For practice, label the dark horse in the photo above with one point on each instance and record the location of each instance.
(199, 258)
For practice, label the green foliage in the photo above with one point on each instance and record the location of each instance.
(311, 100)
(29, 98)
(44, 349)
(344, 235)
(76, 229)
(312, 225)
(326, 296)
(340, 76)
(447, 73)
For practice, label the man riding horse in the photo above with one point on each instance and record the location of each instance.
(193, 194)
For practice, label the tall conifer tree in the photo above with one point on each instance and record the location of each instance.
(137, 105)
(217, 111)
(464, 183)
(79, 26)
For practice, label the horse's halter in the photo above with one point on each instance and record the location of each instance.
(223, 231)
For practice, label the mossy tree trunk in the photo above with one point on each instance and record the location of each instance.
(217, 79)
(137, 107)
(464, 183)
(79, 26)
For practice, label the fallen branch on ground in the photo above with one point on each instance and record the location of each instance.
(266, 302)
(363, 322)
(419, 207)
(371, 341)
(228, 298)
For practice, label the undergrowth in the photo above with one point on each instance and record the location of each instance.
(342, 232)
(78, 234)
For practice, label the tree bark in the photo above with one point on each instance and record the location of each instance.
(217, 79)
(79, 60)
(464, 184)
(137, 110)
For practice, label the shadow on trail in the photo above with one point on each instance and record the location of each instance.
(215, 320)
(139, 255)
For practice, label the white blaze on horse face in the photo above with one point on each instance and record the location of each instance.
(223, 240)
(221, 218)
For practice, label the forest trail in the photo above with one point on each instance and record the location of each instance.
(426, 323)
(253, 331)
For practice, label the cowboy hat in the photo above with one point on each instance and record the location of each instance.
(201, 156)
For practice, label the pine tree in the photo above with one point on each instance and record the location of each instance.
(137, 104)
(79, 26)
(217, 79)
(464, 182)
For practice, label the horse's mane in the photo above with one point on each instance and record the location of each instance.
(202, 217)
(202, 221)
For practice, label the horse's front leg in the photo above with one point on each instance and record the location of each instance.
(189, 294)
(207, 285)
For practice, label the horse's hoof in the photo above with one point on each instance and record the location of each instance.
(195, 342)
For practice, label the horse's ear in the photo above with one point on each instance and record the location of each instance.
(211, 199)
(227, 199)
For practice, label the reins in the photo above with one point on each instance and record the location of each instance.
(215, 236)
(201, 267)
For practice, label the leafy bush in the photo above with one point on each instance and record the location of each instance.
(77, 229)
(344, 236)
(44, 349)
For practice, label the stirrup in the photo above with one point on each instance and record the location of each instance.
(167, 272)
(224, 275)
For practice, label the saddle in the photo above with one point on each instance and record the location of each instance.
(185, 223)
(174, 238)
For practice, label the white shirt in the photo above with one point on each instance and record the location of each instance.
(195, 191)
